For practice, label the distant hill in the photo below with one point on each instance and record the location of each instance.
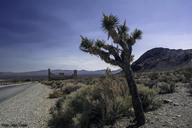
(42, 74)
(158, 59)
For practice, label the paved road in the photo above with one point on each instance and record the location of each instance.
(10, 91)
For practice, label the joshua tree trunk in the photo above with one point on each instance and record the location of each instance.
(136, 101)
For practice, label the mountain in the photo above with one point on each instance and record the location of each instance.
(158, 59)
(42, 74)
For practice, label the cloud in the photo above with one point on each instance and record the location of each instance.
(28, 23)
(37, 34)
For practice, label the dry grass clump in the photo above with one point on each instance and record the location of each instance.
(55, 94)
(64, 89)
(162, 81)
(55, 84)
(148, 96)
(154, 76)
(187, 74)
(69, 88)
(168, 77)
(87, 81)
(183, 75)
(165, 88)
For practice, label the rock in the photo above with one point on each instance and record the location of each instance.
(176, 104)
(167, 101)
(178, 115)
(164, 125)
(156, 117)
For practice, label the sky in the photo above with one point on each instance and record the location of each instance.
(41, 34)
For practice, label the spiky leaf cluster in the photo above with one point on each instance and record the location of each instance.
(119, 53)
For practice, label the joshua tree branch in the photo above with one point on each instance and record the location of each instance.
(104, 51)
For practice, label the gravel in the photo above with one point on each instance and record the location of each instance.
(29, 109)
(176, 113)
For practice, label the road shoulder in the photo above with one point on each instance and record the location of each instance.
(29, 108)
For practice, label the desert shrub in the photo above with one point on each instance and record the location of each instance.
(150, 84)
(166, 87)
(187, 74)
(58, 82)
(83, 109)
(65, 89)
(69, 88)
(184, 75)
(181, 78)
(97, 105)
(165, 78)
(153, 76)
(87, 81)
(174, 78)
(46, 82)
(172, 87)
(189, 87)
(56, 94)
(169, 77)
(55, 84)
(190, 90)
(147, 96)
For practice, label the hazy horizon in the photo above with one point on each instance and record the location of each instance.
(56, 70)
(36, 35)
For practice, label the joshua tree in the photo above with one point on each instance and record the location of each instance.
(119, 54)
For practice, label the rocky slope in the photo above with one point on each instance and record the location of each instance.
(177, 113)
(163, 59)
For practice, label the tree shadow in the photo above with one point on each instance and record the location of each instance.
(132, 126)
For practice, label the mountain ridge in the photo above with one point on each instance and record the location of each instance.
(163, 59)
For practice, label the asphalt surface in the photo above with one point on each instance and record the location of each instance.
(7, 92)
